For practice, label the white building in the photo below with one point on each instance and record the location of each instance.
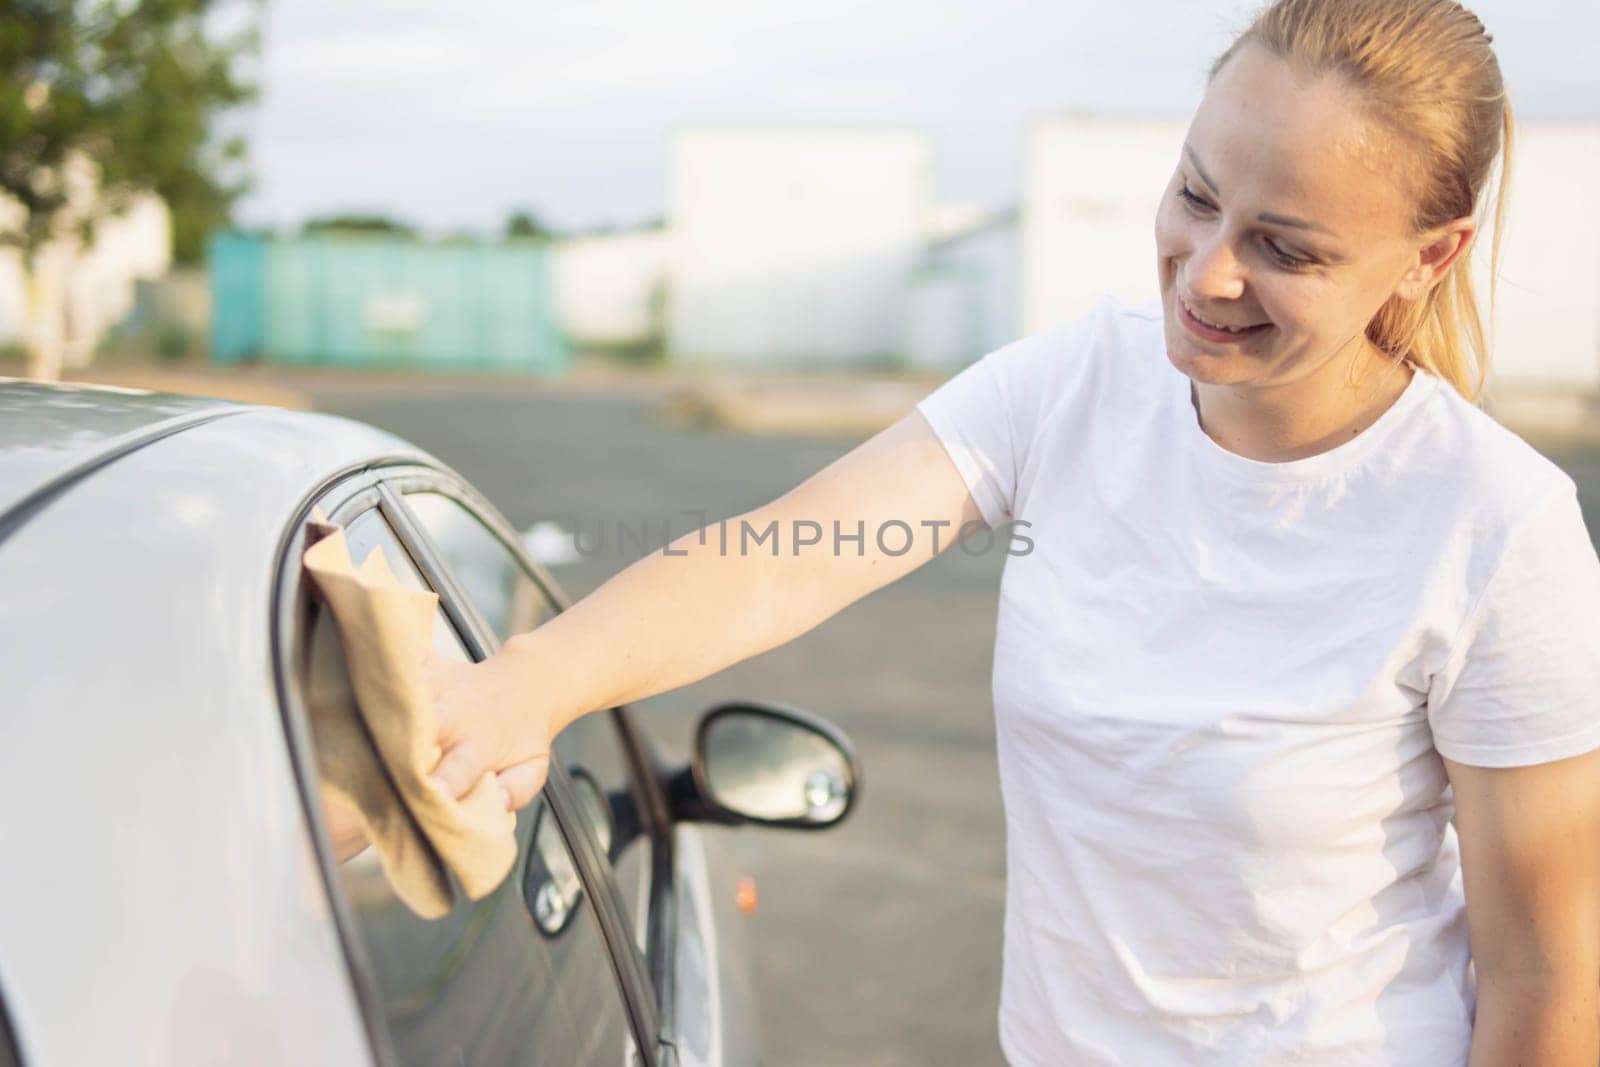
(609, 288)
(1093, 183)
(79, 292)
(1548, 300)
(795, 246)
(964, 292)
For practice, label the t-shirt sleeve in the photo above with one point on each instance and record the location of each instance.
(988, 414)
(1522, 684)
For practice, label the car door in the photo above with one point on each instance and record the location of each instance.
(658, 866)
(530, 974)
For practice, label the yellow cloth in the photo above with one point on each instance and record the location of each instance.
(372, 715)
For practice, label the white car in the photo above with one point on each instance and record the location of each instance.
(169, 893)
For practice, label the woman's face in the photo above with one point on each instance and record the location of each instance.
(1287, 215)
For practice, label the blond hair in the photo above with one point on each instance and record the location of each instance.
(1427, 69)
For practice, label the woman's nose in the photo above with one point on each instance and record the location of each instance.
(1213, 270)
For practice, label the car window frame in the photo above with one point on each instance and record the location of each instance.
(655, 811)
(10, 1043)
(343, 498)
(633, 970)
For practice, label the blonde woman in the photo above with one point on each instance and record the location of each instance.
(1293, 601)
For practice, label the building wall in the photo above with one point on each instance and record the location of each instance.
(370, 301)
(1092, 186)
(795, 246)
(964, 296)
(80, 291)
(1548, 299)
(608, 288)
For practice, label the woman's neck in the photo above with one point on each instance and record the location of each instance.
(1277, 424)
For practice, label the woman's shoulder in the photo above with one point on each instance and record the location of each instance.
(1471, 490)
(1493, 470)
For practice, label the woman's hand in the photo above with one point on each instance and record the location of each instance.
(490, 721)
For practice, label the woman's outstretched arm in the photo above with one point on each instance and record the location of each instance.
(710, 599)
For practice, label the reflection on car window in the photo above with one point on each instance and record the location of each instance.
(591, 748)
(486, 983)
(371, 530)
(551, 886)
(507, 598)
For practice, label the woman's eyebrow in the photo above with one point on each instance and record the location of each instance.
(1268, 217)
(1299, 224)
(1198, 168)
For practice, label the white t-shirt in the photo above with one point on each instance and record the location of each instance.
(1222, 688)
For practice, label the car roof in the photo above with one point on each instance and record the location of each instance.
(53, 433)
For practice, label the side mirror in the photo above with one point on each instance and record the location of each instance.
(768, 765)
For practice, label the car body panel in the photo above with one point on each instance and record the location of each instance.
(714, 1021)
(141, 599)
(47, 430)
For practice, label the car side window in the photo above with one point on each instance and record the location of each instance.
(522, 976)
(592, 748)
(507, 597)
(369, 531)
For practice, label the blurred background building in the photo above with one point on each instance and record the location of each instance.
(784, 248)
(80, 289)
(609, 289)
(794, 246)
(377, 300)
(786, 238)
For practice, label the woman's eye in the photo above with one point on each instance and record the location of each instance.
(1278, 253)
(1284, 257)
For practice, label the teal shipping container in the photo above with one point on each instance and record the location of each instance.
(384, 301)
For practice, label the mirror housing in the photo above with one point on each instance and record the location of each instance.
(767, 765)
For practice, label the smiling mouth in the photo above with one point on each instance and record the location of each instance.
(1212, 330)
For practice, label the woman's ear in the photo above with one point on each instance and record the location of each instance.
(1434, 259)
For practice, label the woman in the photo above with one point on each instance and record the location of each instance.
(1293, 602)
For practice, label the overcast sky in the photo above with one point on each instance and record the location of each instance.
(451, 114)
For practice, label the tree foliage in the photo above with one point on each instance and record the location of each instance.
(525, 224)
(135, 88)
(355, 223)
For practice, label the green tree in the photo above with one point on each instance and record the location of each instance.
(101, 100)
(525, 224)
(356, 224)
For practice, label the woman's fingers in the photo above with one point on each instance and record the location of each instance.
(459, 769)
(523, 781)
(443, 677)
(483, 729)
